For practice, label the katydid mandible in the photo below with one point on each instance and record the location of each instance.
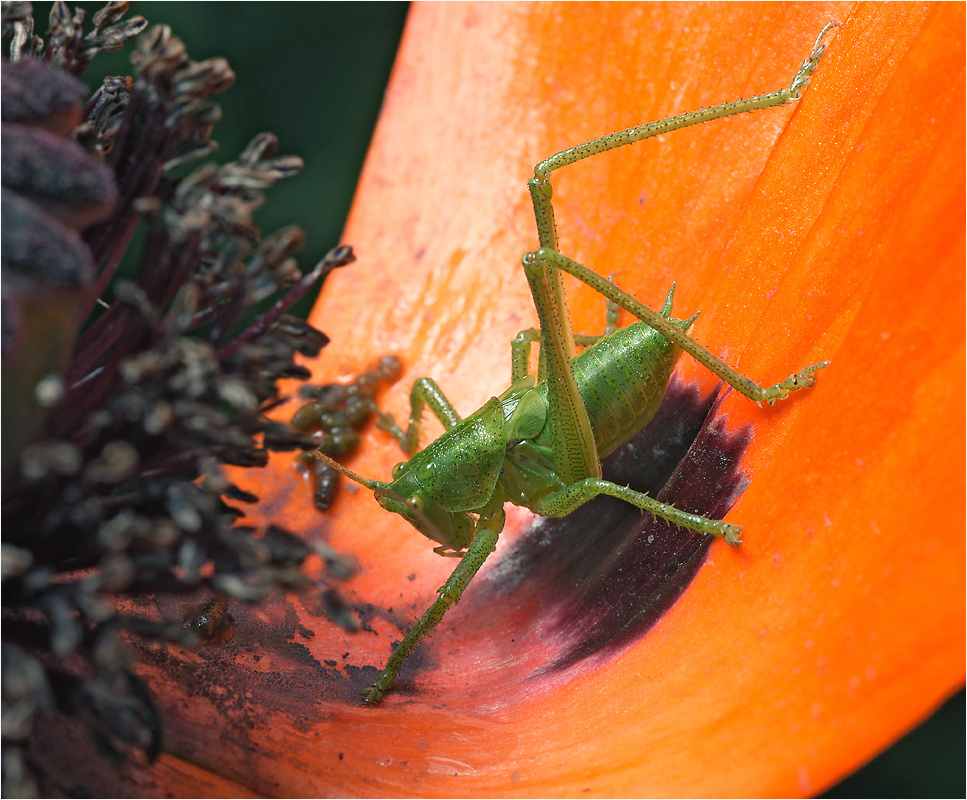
(540, 442)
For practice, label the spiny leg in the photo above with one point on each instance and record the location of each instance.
(520, 353)
(567, 500)
(746, 386)
(520, 348)
(611, 311)
(483, 544)
(425, 392)
(571, 437)
(639, 132)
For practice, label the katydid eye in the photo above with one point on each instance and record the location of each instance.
(395, 472)
(415, 505)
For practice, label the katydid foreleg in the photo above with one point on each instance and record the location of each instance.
(484, 542)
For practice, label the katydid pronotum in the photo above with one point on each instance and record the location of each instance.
(539, 443)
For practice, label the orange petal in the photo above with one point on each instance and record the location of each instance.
(827, 229)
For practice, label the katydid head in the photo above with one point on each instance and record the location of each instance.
(405, 496)
(442, 488)
(408, 498)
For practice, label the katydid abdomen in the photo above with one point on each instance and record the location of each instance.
(622, 379)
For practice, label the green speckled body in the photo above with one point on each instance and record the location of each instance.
(459, 470)
(622, 379)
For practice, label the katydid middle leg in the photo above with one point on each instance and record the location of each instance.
(567, 500)
(425, 392)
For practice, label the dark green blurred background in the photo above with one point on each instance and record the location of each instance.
(314, 74)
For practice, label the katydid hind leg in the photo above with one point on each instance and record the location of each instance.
(572, 440)
(549, 261)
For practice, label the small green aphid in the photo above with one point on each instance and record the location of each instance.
(337, 411)
(539, 444)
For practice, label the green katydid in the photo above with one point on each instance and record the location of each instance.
(539, 443)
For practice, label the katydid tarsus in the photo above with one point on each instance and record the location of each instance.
(539, 443)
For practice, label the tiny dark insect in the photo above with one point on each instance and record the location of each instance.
(209, 620)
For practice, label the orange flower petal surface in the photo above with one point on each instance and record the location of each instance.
(832, 228)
